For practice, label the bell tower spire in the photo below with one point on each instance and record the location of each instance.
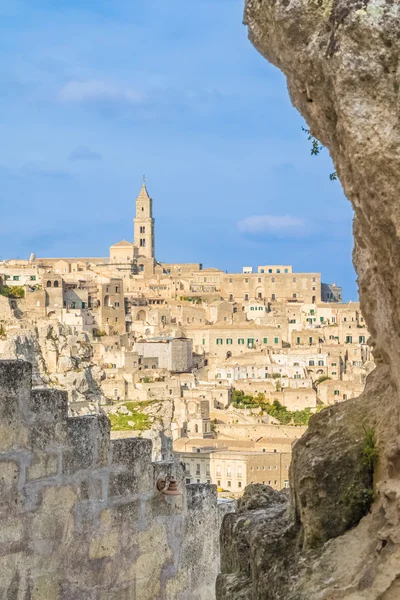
(143, 223)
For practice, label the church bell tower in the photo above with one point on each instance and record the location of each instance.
(143, 224)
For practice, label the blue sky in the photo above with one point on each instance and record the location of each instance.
(94, 93)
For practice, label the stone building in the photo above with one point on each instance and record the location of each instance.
(143, 232)
(234, 470)
(330, 292)
(227, 340)
(173, 354)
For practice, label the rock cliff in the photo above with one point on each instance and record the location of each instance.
(341, 60)
(59, 359)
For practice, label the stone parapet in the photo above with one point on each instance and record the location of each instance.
(81, 516)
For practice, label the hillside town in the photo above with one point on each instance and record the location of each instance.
(222, 369)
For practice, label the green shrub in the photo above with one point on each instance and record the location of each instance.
(321, 379)
(15, 291)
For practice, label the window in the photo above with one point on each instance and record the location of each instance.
(265, 340)
(259, 280)
(349, 339)
(251, 307)
(246, 280)
(229, 483)
(361, 339)
(33, 277)
(230, 280)
(229, 341)
(321, 319)
(312, 311)
(273, 296)
(269, 270)
(286, 270)
(142, 242)
(239, 471)
(142, 229)
(116, 304)
(219, 341)
(239, 484)
(241, 341)
(294, 295)
(298, 340)
(310, 363)
(250, 342)
(203, 342)
(310, 340)
(15, 277)
(276, 340)
(229, 471)
(37, 302)
(320, 363)
(278, 270)
(334, 373)
(336, 393)
(246, 296)
(273, 280)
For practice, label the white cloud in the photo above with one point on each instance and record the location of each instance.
(84, 153)
(98, 91)
(272, 224)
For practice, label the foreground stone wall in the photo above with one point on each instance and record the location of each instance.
(80, 515)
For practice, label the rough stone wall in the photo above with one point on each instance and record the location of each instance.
(80, 515)
(341, 60)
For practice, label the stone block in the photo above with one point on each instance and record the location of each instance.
(123, 484)
(81, 442)
(15, 385)
(42, 465)
(104, 546)
(125, 512)
(9, 494)
(54, 518)
(15, 389)
(49, 405)
(88, 438)
(130, 450)
(11, 531)
(46, 587)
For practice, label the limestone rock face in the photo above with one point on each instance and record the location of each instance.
(61, 360)
(341, 60)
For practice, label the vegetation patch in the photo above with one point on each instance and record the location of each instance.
(275, 409)
(15, 291)
(321, 379)
(132, 416)
(358, 497)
